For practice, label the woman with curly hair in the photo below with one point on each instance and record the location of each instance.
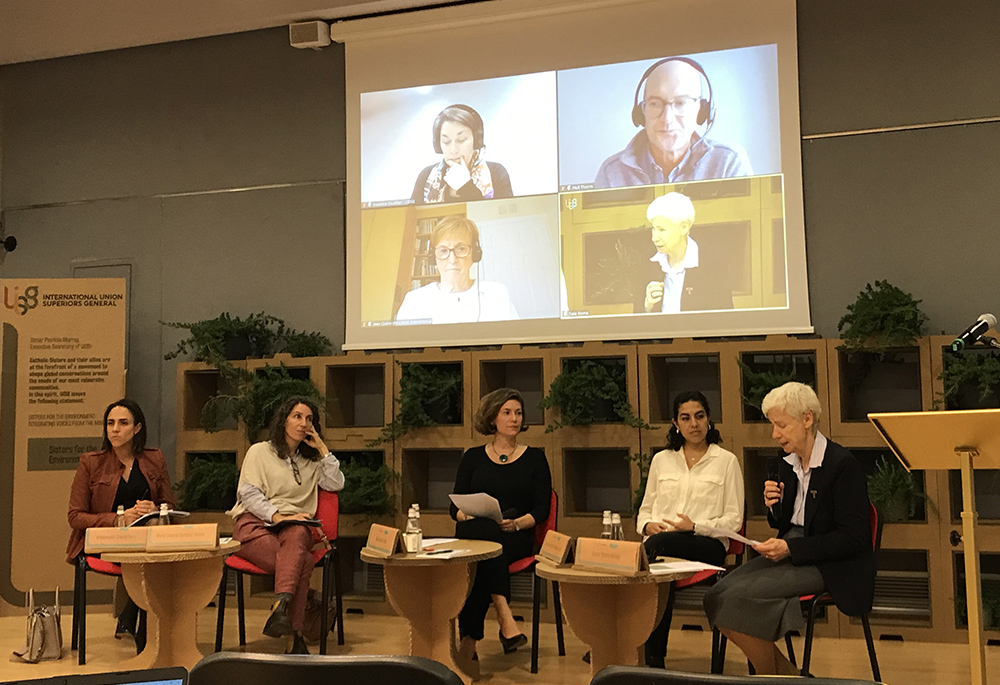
(280, 481)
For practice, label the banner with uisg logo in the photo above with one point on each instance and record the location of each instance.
(62, 351)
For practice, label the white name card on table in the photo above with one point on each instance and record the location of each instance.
(99, 540)
(611, 556)
(182, 538)
(384, 541)
(557, 549)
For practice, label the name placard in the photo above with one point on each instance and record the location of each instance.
(556, 549)
(611, 556)
(384, 541)
(99, 540)
(182, 538)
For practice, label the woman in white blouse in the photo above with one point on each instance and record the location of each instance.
(694, 486)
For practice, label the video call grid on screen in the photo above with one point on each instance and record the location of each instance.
(560, 179)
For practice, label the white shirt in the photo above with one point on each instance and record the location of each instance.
(710, 493)
(484, 301)
(673, 279)
(815, 459)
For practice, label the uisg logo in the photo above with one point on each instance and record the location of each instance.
(24, 302)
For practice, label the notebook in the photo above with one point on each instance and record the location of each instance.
(154, 676)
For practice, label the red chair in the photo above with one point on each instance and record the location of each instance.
(528, 564)
(813, 603)
(328, 511)
(89, 564)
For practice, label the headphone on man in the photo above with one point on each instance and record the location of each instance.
(476, 124)
(706, 108)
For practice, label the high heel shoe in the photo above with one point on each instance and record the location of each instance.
(510, 644)
(296, 644)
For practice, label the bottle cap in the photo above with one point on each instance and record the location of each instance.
(616, 518)
(607, 518)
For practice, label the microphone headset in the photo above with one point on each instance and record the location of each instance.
(706, 108)
(471, 119)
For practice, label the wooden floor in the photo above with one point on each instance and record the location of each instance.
(901, 663)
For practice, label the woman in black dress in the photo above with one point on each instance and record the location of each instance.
(518, 477)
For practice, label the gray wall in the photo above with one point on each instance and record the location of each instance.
(213, 168)
(98, 152)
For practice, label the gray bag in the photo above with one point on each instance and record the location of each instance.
(43, 641)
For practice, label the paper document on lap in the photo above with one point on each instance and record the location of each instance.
(681, 566)
(480, 505)
(715, 532)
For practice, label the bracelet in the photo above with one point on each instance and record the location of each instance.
(515, 526)
(694, 527)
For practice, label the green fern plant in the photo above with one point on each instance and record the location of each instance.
(756, 384)
(583, 386)
(429, 395)
(961, 368)
(883, 316)
(210, 482)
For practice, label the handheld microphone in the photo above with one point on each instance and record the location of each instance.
(773, 474)
(974, 332)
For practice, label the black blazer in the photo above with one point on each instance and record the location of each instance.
(838, 536)
(705, 288)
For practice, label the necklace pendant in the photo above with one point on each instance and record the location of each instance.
(503, 458)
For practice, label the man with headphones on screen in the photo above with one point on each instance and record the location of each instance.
(676, 112)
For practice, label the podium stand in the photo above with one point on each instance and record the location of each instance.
(967, 440)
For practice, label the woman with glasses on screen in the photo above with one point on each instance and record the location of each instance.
(462, 175)
(457, 297)
(279, 481)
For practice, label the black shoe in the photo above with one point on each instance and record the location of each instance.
(586, 658)
(296, 644)
(127, 621)
(278, 623)
(510, 644)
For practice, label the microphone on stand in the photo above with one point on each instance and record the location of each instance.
(974, 332)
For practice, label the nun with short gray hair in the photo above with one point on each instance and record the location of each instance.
(819, 506)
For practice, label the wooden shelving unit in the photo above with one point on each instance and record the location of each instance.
(917, 577)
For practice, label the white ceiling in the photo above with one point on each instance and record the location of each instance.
(41, 29)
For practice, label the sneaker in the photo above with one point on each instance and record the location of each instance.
(278, 623)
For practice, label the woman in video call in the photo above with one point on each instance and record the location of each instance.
(518, 477)
(462, 175)
(692, 484)
(457, 297)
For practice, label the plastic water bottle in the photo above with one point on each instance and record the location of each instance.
(164, 513)
(413, 537)
(607, 535)
(617, 533)
(120, 516)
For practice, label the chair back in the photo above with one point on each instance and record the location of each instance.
(735, 546)
(229, 668)
(550, 522)
(876, 524)
(328, 511)
(637, 675)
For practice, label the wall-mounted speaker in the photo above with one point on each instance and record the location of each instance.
(309, 34)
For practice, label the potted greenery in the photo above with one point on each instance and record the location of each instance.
(894, 491)
(588, 391)
(429, 395)
(258, 395)
(756, 383)
(228, 337)
(210, 483)
(882, 317)
(367, 486)
(970, 380)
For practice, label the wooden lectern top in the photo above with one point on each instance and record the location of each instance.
(928, 439)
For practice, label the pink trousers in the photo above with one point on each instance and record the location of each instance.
(286, 554)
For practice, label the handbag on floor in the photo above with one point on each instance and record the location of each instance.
(43, 641)
(314, 613)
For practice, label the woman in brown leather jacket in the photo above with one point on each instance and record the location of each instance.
(125, 472)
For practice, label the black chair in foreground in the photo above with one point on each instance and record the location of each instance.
(227, 668)
(636, 675)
